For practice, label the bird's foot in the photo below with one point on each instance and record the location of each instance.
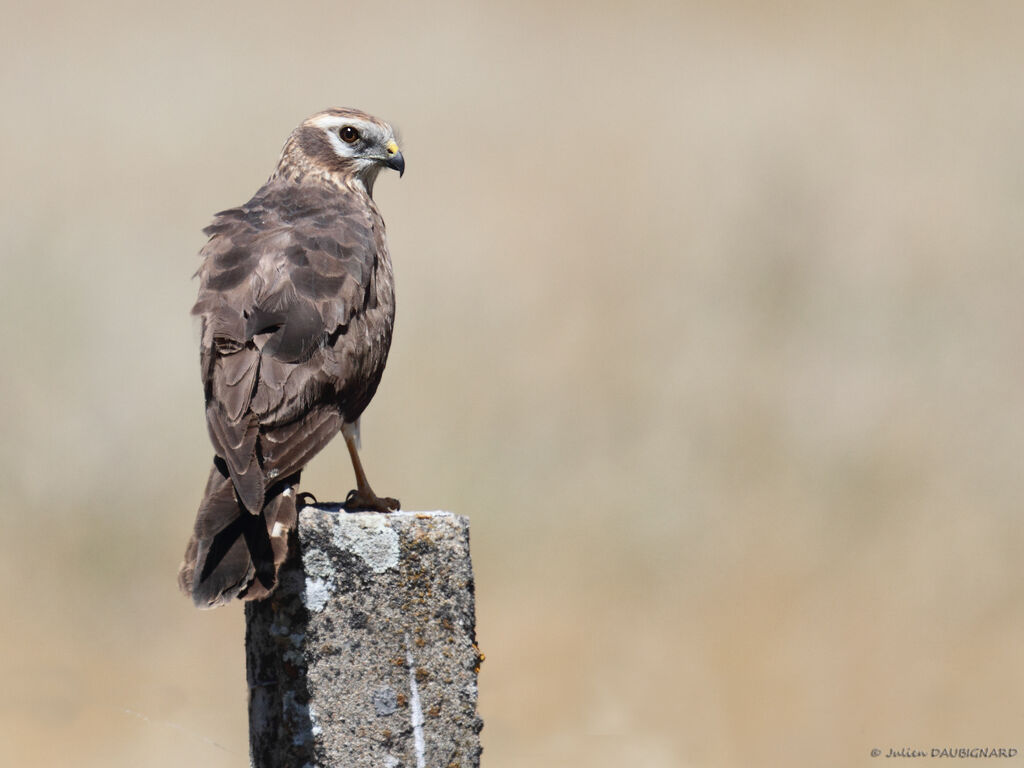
(359, 500)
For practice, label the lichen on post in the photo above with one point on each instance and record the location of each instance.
(366, 653)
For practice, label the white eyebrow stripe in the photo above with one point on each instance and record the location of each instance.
(335, 121)
(330, 123)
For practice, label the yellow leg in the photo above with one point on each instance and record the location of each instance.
(363, 497)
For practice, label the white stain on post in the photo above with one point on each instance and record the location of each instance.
(316, 594)
(371, 538)
(416, 710)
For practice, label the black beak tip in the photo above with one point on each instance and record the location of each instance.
(397, 162)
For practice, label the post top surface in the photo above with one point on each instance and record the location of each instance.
(336, 508)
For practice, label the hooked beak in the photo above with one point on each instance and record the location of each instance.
(395, 160)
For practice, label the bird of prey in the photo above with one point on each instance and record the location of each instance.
(296, 303)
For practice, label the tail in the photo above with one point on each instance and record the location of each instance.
(232, 552)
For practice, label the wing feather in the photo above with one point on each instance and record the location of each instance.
(281, 279)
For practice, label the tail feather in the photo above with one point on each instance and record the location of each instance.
(232, 552)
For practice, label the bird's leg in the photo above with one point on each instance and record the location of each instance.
(363, 497)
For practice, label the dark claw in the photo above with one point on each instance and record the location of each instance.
(358, 502)
(305, 499)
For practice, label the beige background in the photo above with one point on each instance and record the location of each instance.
(709, 318)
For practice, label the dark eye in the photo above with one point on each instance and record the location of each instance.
(348, 134)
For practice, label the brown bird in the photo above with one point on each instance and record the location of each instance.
(297, 304)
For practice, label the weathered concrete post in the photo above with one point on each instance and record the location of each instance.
(366, 653)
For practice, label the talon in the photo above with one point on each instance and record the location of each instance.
(305, 499)
(368, 501)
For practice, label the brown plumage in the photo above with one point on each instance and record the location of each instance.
(297, 304)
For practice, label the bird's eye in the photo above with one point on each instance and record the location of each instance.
(348, 134)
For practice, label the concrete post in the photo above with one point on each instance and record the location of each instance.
(366, 653)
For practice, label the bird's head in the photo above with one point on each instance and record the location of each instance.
(345, 145)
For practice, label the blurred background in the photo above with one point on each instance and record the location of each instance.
(709, 318)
